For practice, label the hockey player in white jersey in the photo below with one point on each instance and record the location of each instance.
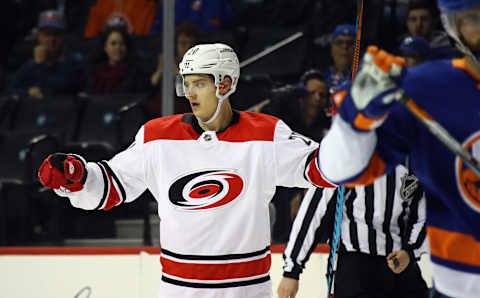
(212, 173)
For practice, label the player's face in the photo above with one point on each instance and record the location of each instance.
(200, 92)
(469, 28)
(419, 22)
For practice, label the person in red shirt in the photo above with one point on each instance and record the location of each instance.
(113, 69)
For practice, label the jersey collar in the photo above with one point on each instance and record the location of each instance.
(190, 119)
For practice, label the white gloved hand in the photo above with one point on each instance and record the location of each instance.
(373, 91)
(377, 76)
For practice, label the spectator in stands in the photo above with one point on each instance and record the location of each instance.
(421, 22)
(187, 35)
(304, 107)
(50, 72)
(113, 68)
(415, 50)
(341, 51)
(208, 15)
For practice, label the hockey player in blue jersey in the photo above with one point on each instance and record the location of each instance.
(374, 133)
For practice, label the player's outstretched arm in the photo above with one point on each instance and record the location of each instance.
(97, 185)
(296, 159)
(348, 151)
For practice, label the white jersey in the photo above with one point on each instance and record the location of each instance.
(213, 191)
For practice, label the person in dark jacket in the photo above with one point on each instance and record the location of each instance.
(50, 72)
(304, 106)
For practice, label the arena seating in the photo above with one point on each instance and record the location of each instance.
(94, 126)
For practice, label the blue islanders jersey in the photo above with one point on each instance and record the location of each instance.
(451, 95)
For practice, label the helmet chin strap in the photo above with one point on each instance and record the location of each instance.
(221, 98)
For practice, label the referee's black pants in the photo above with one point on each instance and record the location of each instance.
(360, 275)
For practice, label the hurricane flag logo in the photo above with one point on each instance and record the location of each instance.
(206, 189)
(467, 181)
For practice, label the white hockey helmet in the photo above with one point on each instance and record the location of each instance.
(218, 60)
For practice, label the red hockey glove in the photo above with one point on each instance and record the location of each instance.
(61, 170)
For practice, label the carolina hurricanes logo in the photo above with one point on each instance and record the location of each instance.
(467, 181)
(206, 189)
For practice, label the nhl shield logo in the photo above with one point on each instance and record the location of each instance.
(409, 186)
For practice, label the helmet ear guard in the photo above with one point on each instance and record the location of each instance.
(179, 86)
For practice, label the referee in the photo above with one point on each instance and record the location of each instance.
(383, 235)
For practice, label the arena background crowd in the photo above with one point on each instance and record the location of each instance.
(83, 76)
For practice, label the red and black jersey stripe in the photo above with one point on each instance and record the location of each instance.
(114, 192)
(312, 171)
(216, 271)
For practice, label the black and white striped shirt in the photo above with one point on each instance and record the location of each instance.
(385, 216)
